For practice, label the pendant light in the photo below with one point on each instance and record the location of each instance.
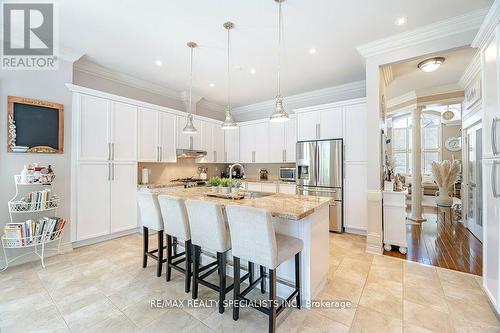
(279, 114)
(229, 122)
(189, 128)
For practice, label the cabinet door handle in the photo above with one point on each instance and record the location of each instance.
(109, 171)
(109, 151)
(494, 136)
(161, 153)
(215, 156)
(284, 155)
(318, 131)
(113, 172)
(494, 180)
(112, 151)
(190, 142)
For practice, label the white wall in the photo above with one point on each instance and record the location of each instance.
(48, 86)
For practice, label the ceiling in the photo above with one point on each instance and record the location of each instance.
(407, 76)
(129, 36)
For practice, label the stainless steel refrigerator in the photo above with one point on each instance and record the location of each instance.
(319, 171)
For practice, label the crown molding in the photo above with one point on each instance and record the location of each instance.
(70, 55)
(437, 30)
(488, 26)
(89, 67)
(414, 95)
(387, 74)
(205, 104)
(344, 91)
(472, 70)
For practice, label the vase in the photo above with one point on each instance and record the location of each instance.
(235, 189)
(226, 190)
(443, 197)
(215, 189)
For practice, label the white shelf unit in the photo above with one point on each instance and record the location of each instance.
(21, 211)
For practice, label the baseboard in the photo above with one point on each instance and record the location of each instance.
(95, 240)
(356, 231)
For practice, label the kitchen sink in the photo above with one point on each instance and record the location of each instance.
(255, 195)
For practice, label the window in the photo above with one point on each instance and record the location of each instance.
(401, 142)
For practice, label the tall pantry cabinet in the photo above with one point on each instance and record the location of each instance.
(104, 167)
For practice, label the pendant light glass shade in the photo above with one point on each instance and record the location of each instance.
(279, 114)
(189, 128)
(229, 122)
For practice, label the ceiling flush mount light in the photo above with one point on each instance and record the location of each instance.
(253, 71)
(158, 63)
(229, 122)
(211, 85)
(401, 21)
(279, 114)
(189, 128)
(430, 65)
(312, 50)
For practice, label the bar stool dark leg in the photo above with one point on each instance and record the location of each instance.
(221, 257)
(189, 261)
(297, 278)
(251, 270)
(145, 240)
(236, 287)
(196, 267)
(263, 280)
(272, 299)
(159, 264)
(169, 257)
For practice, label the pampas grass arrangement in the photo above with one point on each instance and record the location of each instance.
(445, 173)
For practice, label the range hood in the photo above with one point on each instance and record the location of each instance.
(188, 153)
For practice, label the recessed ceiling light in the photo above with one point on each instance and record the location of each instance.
(401, 21)
(312, 50)
(211, 85)
(252, 71)
(158, 62)
(431, 64)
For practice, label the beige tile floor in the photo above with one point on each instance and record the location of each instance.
(102, 288)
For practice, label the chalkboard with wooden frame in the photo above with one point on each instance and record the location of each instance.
(34, 126)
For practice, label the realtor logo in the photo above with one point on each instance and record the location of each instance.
(29, 36)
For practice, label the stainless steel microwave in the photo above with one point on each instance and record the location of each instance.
(287, 174)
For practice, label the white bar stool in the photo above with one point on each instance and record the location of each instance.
(150, 215)
(209, 231)
(175, 218)
(253, 239)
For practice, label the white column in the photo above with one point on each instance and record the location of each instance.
(416, 167)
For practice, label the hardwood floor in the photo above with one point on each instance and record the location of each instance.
(443, 244)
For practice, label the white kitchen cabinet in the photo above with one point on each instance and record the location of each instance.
(123, 132)
(156, 136)
(355, 133)
(490, 59)
(208, 141)
(167, 137)
(93, 129)
(232, 145)
(93, 199)
(276, 142)
(123, 189)
(187, 141)
(148, 135)
(262, 143)
(287, 188)
(355, 203)
(290, 140)
(218, 134)
(330, 123)
(307, 128)
(247, 144)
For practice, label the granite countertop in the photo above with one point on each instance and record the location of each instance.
(287, 206)
(156, 186)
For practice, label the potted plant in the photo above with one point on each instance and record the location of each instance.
(445, 175)
(214, 182)
(225, 183)
(235, 186)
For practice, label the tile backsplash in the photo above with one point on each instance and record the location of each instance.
(252, 171)
(162, 173)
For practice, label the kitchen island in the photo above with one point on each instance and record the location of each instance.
(303, 217)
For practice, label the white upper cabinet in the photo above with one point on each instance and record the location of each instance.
(94, 129)
(123, 132)
(247, 144)
(232, 145)
(208, 141)
(218, 143)
(491, 85)
(276, 142)
(167, 137)
(355, 133)
(308, 126)
(290, 140)
(148, 135)
(330, 123)
(262, 143)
